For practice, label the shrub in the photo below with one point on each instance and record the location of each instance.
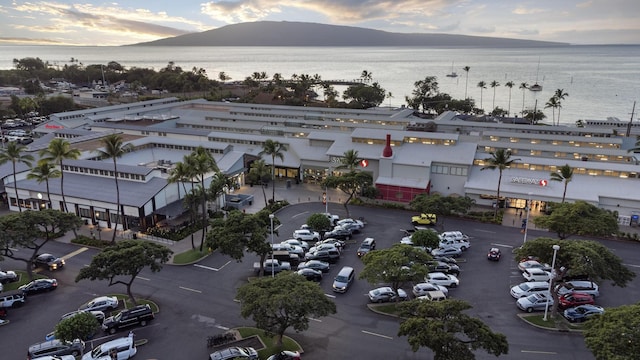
(85, 240)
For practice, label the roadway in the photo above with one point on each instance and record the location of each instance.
(198, 300)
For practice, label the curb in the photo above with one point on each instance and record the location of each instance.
(523, 316)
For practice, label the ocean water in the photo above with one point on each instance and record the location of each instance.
(601, 81)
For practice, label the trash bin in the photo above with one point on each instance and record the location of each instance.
(288, 184)
(135, 236)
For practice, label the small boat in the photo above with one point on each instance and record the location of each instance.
(452, 74)
(536, 86)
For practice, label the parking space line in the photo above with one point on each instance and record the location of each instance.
(143, 278)
(502, 245)
(299, 214)
(484, 231)
(539, 352)
(189, 289)
(74, 253)
(330, 296)
(222, 327)
(227, 263)
(637, 266)
(206, 267)
(317, 320)
(378, 335)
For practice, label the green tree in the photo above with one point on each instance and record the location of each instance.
(363, 96)
(350, 160)
(426, 238)
(319, 223)
(398, 265)
(482, 85)
(523, 86)
(560, 95)
(59, 150)
(22, 235)
(183, 172)
(114, 148)
(424, 93)
(441, 205)
(466, 82)
(44, 171)
(219, 184)
(534, 116)
(577, 257)
(443, 327)
(350, 183)
(614, 334)
(501, 160)
(286, 300)
(259, 173)
(564, 174)
(494, 84)
(366, 76)
(510, 85)
(80, 326)
(122, 263)
(202, 163)
(14, 153)
(275, 149)
(553, 104)
(579, 218)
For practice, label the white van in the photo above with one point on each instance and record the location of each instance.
(125, 347)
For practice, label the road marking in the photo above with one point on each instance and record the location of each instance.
(206, 267)
(539, 352)
(277, 227)
(72, 254)
(638, 266)
(189, 289)
(143, 278)
(300, 214)
(503, 245)
(222, 327)
(378, 335)
(330, 296)
(485, 231)
(227, 263)
(317, 320)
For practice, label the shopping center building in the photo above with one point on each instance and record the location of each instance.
(406, 155)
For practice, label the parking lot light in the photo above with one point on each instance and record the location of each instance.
(271, 216)
(553, 277)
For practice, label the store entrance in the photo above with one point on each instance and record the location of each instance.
(536, 205)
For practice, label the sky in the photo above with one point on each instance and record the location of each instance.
(103, 23)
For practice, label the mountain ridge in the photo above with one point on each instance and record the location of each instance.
(287, 33)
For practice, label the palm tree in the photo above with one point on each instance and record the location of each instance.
(58, 150)
(183, 172)
(466, 82)
(494, 84)
(218, 185)
(114, 148)
(510, 85)
(366, 75)
(564, 174)
(349, 160)
(202, 162)
(523, 86)
(14, 153)
(553, 104)
(500, 159)
(44, 171)
(482, 85)
(258, 172)
(560, 95)
(274, 149)
(180, 174)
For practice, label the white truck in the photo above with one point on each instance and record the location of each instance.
(272, 266)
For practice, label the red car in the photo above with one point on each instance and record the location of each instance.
(574, 299)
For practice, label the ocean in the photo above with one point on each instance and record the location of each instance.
(602, 81)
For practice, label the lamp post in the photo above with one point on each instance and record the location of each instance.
(552, 278)
(326, 202)
(271, 216)
(526, 220)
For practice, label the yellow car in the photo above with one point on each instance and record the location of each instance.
(424, 219)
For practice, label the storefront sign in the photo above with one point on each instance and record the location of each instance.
(529, 181)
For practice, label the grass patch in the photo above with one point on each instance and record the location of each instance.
(538, 320)
(270, 342)
(128, 304)
(188, 256)
(388, 309)
(23, 278)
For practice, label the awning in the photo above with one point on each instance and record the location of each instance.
(174, 209)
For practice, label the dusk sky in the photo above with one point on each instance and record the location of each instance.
(64, 22)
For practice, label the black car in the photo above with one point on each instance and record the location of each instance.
(49, 261)
(311, 274)
(38, 286)
(331, 256)
(494, 254)
(338, 233)
(315, 264)
(139, 315)
(446, 259)
(438, 266)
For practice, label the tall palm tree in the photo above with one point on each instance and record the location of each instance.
(13, 153)
(275, 149)
(202, 162)
(494, 84)
(59, 150)
(259, 171)
(482, 85)
(564, 174)
(44, 171)
(184, 172)
(218, 185)
(349, 160)
(553, 104)
(510, 85)
(180, 173)
(523, 86)
(114, 148)
(466, 82)
(560, 95)
(500, 159)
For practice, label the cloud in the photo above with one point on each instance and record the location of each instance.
(527, 11)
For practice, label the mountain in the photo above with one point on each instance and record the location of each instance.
(272, 33)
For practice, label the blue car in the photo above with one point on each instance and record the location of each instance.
(581, 313)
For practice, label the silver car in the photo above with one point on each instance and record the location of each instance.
(235, 352)
(534, 302)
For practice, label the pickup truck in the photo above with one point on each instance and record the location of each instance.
(424, 219)
(274, 266)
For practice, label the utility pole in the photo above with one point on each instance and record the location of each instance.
(631, 120)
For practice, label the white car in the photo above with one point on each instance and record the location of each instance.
(532, 264)
(324, 246)
(461, 244)
(422, 289)
(536, 274)
(448, 251)
(534, 302)
(295, 242)
(454, 235)
(443, 279)
(528, 288)
(306, 235)
(584, 287)
(101, 303)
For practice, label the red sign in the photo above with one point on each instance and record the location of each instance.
(364, 163)
(543, 182)
(49, 126)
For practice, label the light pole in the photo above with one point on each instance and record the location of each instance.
(271, 216)
(526, 220)
(326, 201)
(551, 279)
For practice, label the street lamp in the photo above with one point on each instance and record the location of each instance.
(552, 278)
(526, 220)
(273, 274)
(326, 201)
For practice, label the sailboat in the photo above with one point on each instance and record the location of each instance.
(536, 86)
(453, 73)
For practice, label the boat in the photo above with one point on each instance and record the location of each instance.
(536, 86)
(452, 74)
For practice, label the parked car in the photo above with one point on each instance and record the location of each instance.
(314, 264)
(99, 315)
(355, 224)
(49, 261)
(56, 347)
(55, 357)
(138, 315)
(582, 313)
(529, 288)
(323, 246)
(534, 302)
(433, 296)
(8, 277)
(421, 289)
(569, 300)
(285, 355)
(101, 303)
(424, 219)
(581, 286)
(461, 244)
(438, 266)
(494, 254)
(445, 259)
(438, 278)
(306, 235)
(12, 298)
(536, 274)
(38, 286)
(386, 294)
(311, 274)
(124, 348)
(448, 251)
(367, 245)
(340, 244)
(533, 264)
(339, 232)
(303, 244)
(330, 256)
(235, 353)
